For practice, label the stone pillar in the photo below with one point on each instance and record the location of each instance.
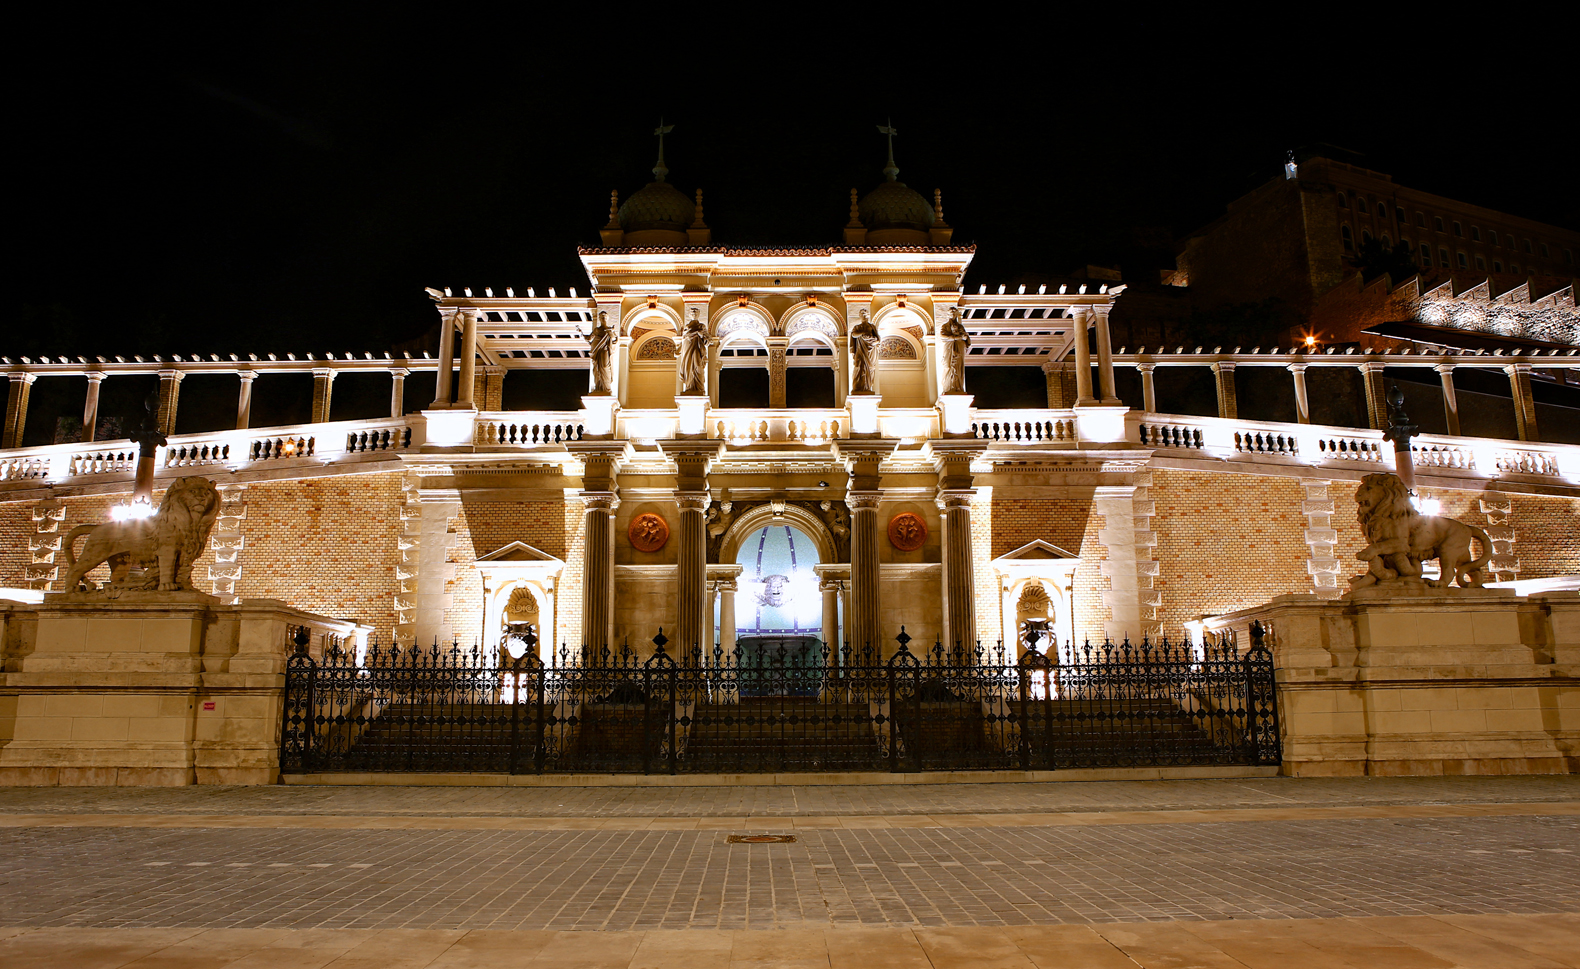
(1445, 372)
(493, 395)
(1149, 393)
(692, 459)
(710, 611)
(169, 397)
(727, 617)
(1524, 403)
(398, 391)
(714, 368)
(90, 407)
(952, 459)
(441, 397)
(622, 376)
(841, 370)
(776, 371)
(1223, 377)
(244, 399)
(830, 630)
(930, 354)
(468, 352)
(1082, 315)
(1105, 358)
(1376, 399)
(600, 466)
(1302, 401)
(864, 625)
(323, 387)
(1056, 374)
(16, 408)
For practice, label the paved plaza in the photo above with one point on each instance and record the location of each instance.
(1238, 872)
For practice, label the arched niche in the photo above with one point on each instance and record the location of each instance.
(655, 317)
(1046, 567)
(753, 519)
(511, 574)
(803, 316)
(735, 317)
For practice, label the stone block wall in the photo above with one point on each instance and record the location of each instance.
(481, 527)
(1072, 524)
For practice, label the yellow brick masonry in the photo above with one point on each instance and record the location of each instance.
(483, 527)
(1069, 523)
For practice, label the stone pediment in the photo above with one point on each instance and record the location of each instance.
(1034, 551)
(519, 552)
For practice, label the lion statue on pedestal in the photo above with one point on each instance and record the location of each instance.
(1401, 538)
(164, 545)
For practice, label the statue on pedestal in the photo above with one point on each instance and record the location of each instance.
(600, 344)
(694, 358)
(864, 356)
(1401, 538)
(164, 545)
(956, 342)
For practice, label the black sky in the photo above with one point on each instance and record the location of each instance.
(276, 181)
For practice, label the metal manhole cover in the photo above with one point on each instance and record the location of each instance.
(761, 839)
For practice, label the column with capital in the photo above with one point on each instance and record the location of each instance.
(600, 468)
(1082, 315)
(1445, 372)
(441, 398)
(464, 394)
(1149, 393)
(692, 459)
(1302, 400)
(244, 399)
(1105, 358)
(727, 589)
(1223, 379)
(952, 459)
(1524, 402)
(169, 397)
(323, 386)
(90, 407)
(16, 408)
(1055, 372)
(398, 391)
(864, 624)
(830, 630)
(1376, 397)
(714, 368)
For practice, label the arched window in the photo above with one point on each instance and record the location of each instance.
(1464, 263)
(1442, 258)
(1497, 265)
(1344, 203)
(1349, 239)
(1481, 264)
(1426, 254)
(1420, 219)
(1360, 204)
(1366, 236)
(1387, 242)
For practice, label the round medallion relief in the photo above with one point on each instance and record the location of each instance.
(648, 532)
(907, 531)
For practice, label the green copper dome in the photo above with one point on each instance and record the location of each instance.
(658, 205)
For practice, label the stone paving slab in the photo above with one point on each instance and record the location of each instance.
(887, 802)
(1484, 942)
(301, 877)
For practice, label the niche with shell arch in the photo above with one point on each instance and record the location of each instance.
(902, 357)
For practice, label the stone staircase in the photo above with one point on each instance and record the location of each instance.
(762, 734)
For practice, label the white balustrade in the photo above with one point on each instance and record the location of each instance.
(533, 429)
(743, 428)
(1024, 426)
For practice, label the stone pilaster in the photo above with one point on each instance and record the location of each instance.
(493, 389)
(435, 571)
(1505, 566)
(692, 459)
(952, 459)
(44, 544)
(599, 495)
(1057, 375)
(863, 494)
(776, 371)
(323, 387)
(409, 544)
(16, 408)
(169, 397)
(1223, 379)
(227, 541)
(1322, 538)
(1131, 598)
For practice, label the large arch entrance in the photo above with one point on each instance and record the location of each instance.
(779, 613)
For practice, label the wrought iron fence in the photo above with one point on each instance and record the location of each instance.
(784, 708)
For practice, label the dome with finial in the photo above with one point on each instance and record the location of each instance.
(893, 213)
(658, 214)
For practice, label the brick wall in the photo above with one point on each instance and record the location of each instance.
(17, 525)
(1069, 523)
(486, 526)
(327, 545)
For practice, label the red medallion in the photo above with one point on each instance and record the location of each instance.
(907, 531)
(648, 532)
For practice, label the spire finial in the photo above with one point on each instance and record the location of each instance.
(855, 210)
(659, 171)
(614, 210)
(698, 220)
(938, 204)
(891, 170)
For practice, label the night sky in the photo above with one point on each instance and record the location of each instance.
(292, 182)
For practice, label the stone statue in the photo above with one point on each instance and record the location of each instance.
(694, 358)
(956, 342)
(171, 539)
(1401, 538)
(601, 344)
(864, 356)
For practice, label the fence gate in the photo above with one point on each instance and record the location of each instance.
(778, 707)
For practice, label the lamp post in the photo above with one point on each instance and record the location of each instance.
(148, 438)
(1400, 430)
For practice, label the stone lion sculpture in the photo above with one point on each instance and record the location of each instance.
(1401, 538)
(170, 540)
